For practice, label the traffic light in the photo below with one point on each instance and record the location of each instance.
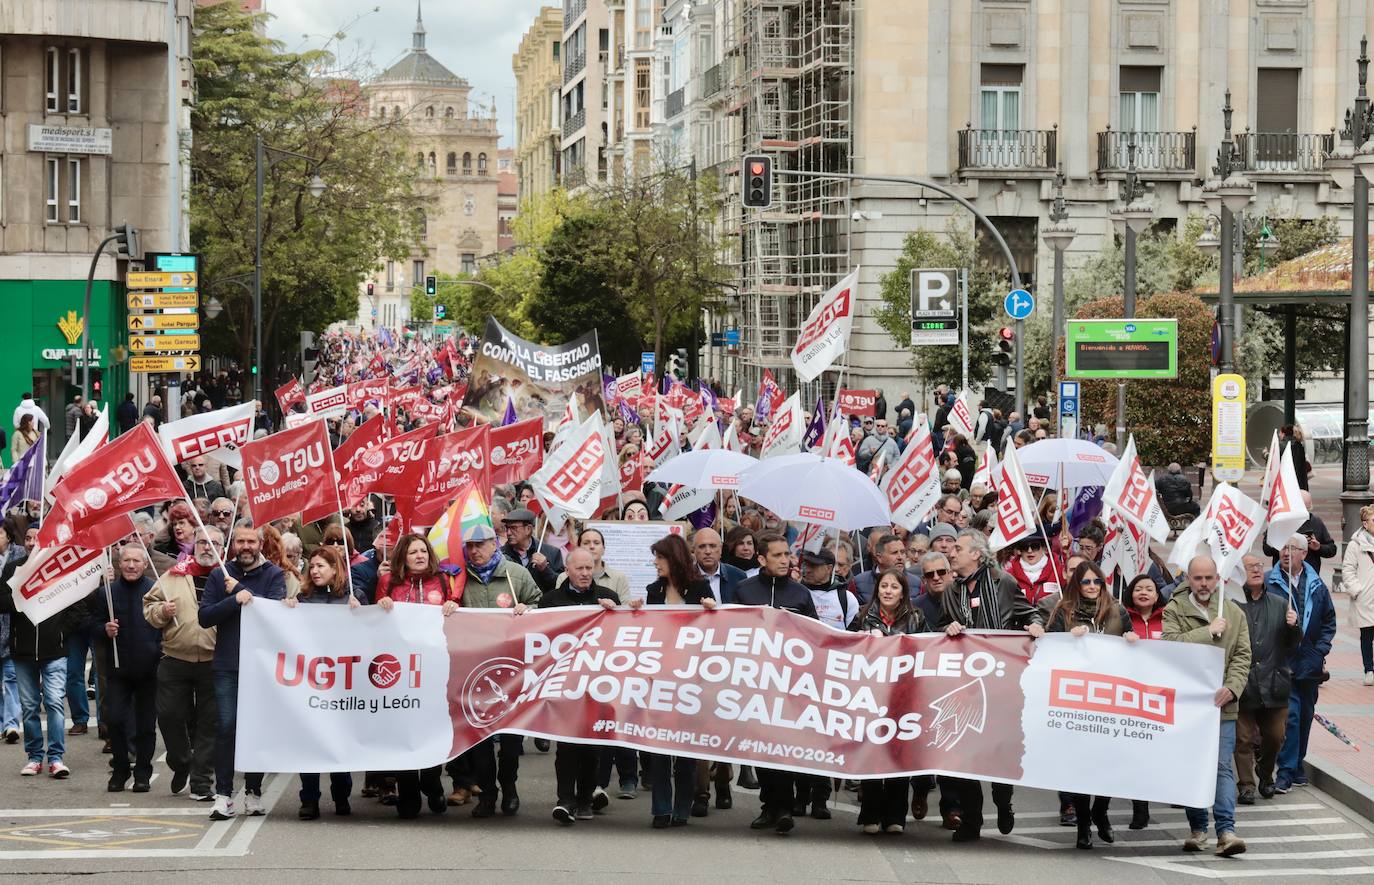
(97, 380)
(1002, 356)
(431, 285)
(440, 312)
(370, 289)
(679, 364)
(128, 245)
(758, 182)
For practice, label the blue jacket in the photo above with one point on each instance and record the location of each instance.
(730, 578)
(139, 643)
(1312, 601)
(219, 609)
(364, 574)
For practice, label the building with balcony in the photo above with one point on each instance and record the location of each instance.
(990, 98)
(538, 99)
(454, 144)
(89, 143)
(584, 99)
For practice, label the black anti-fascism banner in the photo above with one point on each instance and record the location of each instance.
(538, 378)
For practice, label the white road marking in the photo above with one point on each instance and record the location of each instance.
(1238, 871)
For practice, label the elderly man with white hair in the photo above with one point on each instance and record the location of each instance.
(1320, 544)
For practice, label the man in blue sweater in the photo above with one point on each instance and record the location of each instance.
(131, 698)
(247, 576)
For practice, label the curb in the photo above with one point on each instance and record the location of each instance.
(1341, 785)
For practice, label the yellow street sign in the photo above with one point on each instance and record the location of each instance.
(164, 363)
(158, 280)
(148, 322)
(163, 343)
(1228, 428)
(152, 300)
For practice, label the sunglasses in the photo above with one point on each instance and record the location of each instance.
(1097, 581)
(337, 542)
(221, 513)
(937, 573)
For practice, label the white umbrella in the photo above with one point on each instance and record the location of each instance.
(823, 491)
(704, 469)
(1066, 463)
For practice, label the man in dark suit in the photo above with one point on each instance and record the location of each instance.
(723, 577)
(544, 561)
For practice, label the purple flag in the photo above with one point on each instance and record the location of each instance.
(629, 414)
(608, 387)
(1084, 508)
(815, 431)
(708, 399)
(25, 480)
(704, 517)
(509, 416)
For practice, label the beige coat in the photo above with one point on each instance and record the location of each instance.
(182, 638)
(1357, 577)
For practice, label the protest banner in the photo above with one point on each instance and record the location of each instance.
(749, 685)
(539, 379)
(862, 403)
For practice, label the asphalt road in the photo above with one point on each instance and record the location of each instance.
(57, 831)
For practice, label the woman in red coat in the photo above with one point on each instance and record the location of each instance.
(1037, 571)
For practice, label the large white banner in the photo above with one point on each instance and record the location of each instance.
(329, 688)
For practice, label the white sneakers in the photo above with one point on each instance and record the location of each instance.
(252, 805)
(1369, 679)
(224, 808)
(31, 769)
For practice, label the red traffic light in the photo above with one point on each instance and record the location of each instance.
(756, 168)
(1006, 333)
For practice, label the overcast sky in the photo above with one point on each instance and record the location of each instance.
(473, 38)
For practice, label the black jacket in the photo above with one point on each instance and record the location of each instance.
(1174, 491)
(657, 593)
(42, 642)
(1271, 642)
(209, 490)
(364, 533)
(870, 618)
(1326, 544)
(547, 577)
(565, 595)
(781, 593)
(126, 416)
(139, 642)
(1008, 608)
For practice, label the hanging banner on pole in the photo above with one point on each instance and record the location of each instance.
(538, 379)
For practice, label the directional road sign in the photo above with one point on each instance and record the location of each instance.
(1019, 304)
(152, 300)
(163, 343)
(164, 363)
(160, 280)
(152, 322)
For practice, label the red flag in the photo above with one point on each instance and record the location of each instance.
(450, 462)
(383, 469)
(290, 472)
(361, 392)
(346, 460)
(129, 473)
(517, 450)
(405, 397)
(290, 393)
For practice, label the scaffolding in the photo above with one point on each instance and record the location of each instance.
(790, 69)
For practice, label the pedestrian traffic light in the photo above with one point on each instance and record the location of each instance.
(440, 313)
(1002, 356)
(758, 182)
(431, 285)
(127, 242)
(370, 289)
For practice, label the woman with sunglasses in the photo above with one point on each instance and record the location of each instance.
(1037, 570)
(326, 583)
(1086, 607)
(882, 806)
(341, 536)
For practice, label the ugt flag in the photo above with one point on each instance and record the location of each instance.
(290, 472)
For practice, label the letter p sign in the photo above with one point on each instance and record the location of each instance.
(933, 293)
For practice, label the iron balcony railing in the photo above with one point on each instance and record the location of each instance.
(710, 82)
(574, 123)
(1285, 151)
(574, 177)
(574, 67)
(571, 11)
(1008, 148)
(1154, 151)
(676, 101)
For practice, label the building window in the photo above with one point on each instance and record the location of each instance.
(429, 111)
(467, 163)
(481, 164)
(1000, 98)
(390, 275)
(417, 273)
(396, 111)
(448, 113)
(73, 191)
(433, 169)
(383, 112)
(50, 189)
(555, 50)
(451, 165)
(469, 263)
(1139, 103)
(421, 224)
(73, 81)
(643, 92)
(1276, 115)
(51, 78)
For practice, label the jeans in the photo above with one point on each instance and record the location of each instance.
(340, 787)
(1302, 705)
(674, 785)
(78, 647)
(1367, 648)
(1265, 726)
(131, 702)
(626, 762)
(1224, 803)
(227, 702)
(188, 717)
(9, 698)
(53, 676)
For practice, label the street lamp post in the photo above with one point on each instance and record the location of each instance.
(261, 161)
(1228, 194)
(1135, 216)
(1359, 130)
(1058, 236)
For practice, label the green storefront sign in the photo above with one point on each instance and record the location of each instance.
(1138, 348)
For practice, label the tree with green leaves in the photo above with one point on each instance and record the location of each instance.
(957, 248)
(315, 250)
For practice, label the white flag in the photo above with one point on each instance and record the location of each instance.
(218, 434)
(571, 475)
(1233, 526)
(681, 500)
(332, 402)
(1125, 551)
(1281, 497)
(1131, 494)
(610, 469)
(1015, 503)
(732, 441)
(912, 487)
(77, 450)
(987, 470)
(784, 435)
(961, 415)
(568, 424)
(825, 334)
(54, 578)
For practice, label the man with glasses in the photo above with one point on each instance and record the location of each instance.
(1295, 580)
(936, 575)
(222, 514)
(879, 445)
(950, 510)
(199, 483)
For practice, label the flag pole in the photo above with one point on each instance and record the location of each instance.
(156, 577)
(343, 536)
(109, 607)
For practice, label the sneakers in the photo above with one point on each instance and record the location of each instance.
(1369, 678)
(1229, 845)
(600, 799)
(252, 804)
(872, 829)
(58, 771)
(224, 808)
(1282, 785)
(1266, 789)
(205, 796)
(179, 781)
(628, 790)
(31, 769)
(563, 815)
(1300, 780)
(11, 735)
(1196, 841)
(784, 824)
(585, 812)
(894, 829)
